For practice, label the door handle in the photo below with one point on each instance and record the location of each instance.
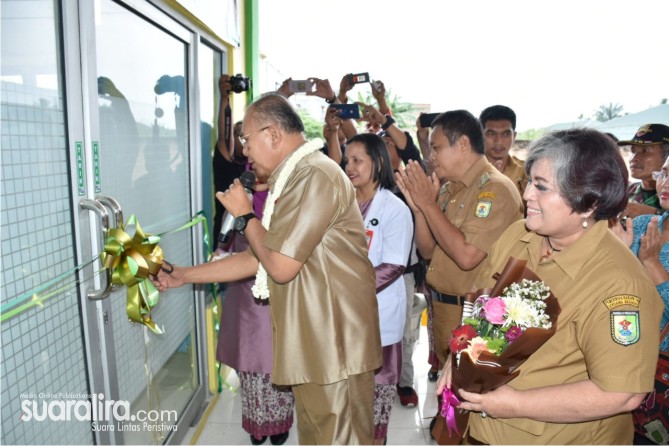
(114, 205)
(117, 212)
(101, 211)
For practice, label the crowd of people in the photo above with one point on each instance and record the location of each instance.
(348, 240)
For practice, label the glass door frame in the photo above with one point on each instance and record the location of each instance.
(83, 127)
(79, 131)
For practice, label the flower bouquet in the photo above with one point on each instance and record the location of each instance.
(501, 328)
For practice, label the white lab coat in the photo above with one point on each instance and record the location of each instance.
(389, 231)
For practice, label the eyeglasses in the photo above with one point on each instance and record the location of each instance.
(245, 138)
(660, 177)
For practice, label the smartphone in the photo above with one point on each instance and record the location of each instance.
(347, 111)
(427, 118)
(305, 86)
(359, 78)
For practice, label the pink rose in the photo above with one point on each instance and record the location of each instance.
(495, 309)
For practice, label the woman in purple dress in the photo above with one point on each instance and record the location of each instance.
(245, 344)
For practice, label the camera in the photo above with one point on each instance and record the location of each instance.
(359, 78)
(305, 86)
(240, 83)
(426, 119)
(347, 111)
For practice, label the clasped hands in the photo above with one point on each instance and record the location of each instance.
(418, 189)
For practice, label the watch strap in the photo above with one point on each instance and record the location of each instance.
(246, 218)
(389, 121)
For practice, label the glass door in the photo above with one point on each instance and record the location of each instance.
(138, 73)
(137, 64)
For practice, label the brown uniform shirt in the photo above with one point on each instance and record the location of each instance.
(482, 206)
(515, 171)
(325, 320)
(597, 282)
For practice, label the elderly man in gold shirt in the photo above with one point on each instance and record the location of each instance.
(309, 255)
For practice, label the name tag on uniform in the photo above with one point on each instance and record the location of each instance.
(369, 234)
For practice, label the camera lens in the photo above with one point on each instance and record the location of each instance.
(239, 83)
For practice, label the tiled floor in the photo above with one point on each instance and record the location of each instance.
(407, 426)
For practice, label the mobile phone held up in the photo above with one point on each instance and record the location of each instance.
(427, 118)
(347, 111)
(304, 86)
(359, 78)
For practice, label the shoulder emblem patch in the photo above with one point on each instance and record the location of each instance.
(484, 179)
(620, 300)
(625, 327)
(483, 209)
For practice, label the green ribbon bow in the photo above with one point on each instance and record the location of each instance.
(132, 260)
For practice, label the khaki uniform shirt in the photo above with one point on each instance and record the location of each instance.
(598, 283)
(482, 206)
(325, 320)
(515, 171)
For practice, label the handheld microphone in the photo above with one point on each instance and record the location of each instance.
(248, 179)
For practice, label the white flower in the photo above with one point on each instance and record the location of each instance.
(260, 289)
(525, 304)
(519, 311)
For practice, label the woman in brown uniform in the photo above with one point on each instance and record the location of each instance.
(581, 385)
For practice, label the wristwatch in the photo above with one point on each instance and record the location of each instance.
(242, 221)
(389, 121)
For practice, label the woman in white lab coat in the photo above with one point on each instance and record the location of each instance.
(389, 232)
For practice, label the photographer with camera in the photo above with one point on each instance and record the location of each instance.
(335, 139)
(336, 130)
(397, 140)
(345, 85)
(228, 161)
(379, 93)
(311, 86)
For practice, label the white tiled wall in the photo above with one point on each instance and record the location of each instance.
(42, 347)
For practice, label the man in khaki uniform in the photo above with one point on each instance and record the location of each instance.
(321, 283)
(499, 134)
(599, 284)
(457, 223)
